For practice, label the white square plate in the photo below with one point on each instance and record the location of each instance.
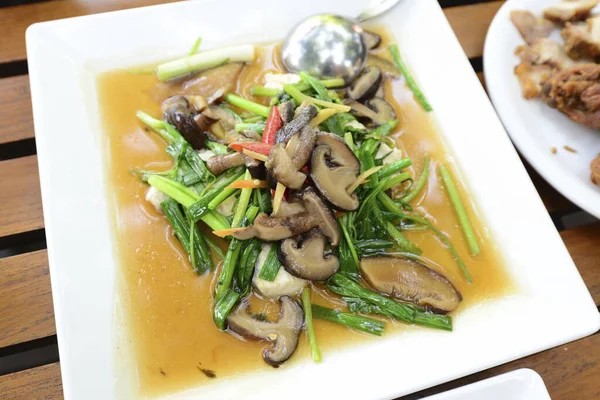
(551, 306)
(534, 127)
(522, 384)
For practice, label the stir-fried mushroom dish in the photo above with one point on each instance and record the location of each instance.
(564, 75)
(264, 215)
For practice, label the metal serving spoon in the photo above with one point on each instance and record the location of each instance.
(330, 46)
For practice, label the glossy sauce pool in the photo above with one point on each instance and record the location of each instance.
(169, 308)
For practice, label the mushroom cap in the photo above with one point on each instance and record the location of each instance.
(377, 110)
(366, 85)
(282, 168)
(411, 281)
(285, 332)
(304, 257)
(305, 114)
(333, 168)
(372, 40)
(323, 216)
(178, 112)
(284, 283)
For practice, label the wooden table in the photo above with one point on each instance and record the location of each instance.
(29, 362)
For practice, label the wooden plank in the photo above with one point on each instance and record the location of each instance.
(15, 20)
(21, 209)
(470, 24)
(569, 372)
(16, 121)
(584, 246)
(26, 312)
(35, 383)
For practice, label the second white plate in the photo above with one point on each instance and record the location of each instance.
(533, 126)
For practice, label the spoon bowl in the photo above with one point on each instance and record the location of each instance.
(326, 46)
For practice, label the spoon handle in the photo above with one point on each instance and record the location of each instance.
(376, 8)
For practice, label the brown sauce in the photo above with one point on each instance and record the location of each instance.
(174, 339)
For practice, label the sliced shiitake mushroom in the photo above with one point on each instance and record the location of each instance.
(322, 215)
(178, 112)
(285, 332)
(304, 256)
(284, 283)
(384, 110)
(305, 114)
(411, 281)
(366, 85)
(285, 161)
(219, 163)
(377, 110)
(286, 111)
(270, 228)
(372, 40)
(317, 215)
(386, 66)
(333, 168)
(282, 168)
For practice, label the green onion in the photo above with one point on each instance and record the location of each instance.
(350, 142)
(264, 200)
(299, 97)
(401, 240)
(191, 239)
(180, 193)
(221, 197)
(328, 83)
(195, 47)
(224, 306)
(393, 208)
(160, 127)
(201, 206)
(349, 262)
(198, 165)
(242, 205)
(204, 60)
(354, 321)
(422, 317)
(310, 329)
(256, 118)
(264, 91)
(410, 82)
(393, 181)
(435, 321)
(399, 311)
(226, 276)
(461, 212)
(214, 220)
(256, 127)
(247, 105)
(246, 266)
(215, 248)
(393, 167)
(271, 266)
(414, 192)
(216, 147)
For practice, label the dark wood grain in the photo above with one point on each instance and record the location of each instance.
(26, 311)
(20, 198)
(583, 244)
(15, 20)
(16, 121)
(470, 24)
(32, 384)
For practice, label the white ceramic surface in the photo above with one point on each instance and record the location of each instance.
(522, 384)
(64, 58)
(533, 126)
